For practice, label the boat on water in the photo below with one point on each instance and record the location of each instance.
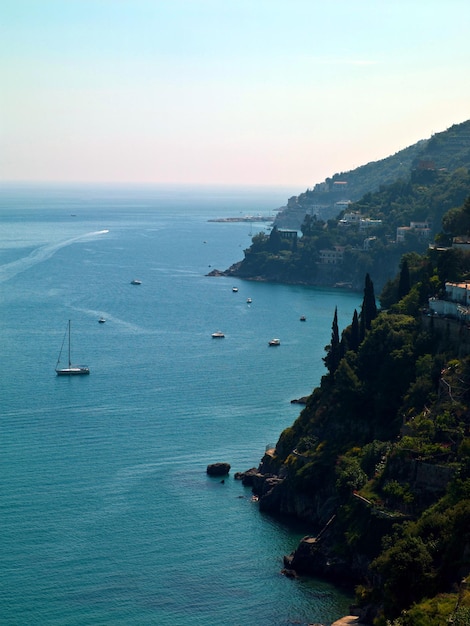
(275, 342)
(70, 370)
(101, 320)
(234, 289)
(249, 300)
(136, 282)
(303, 318)
(218, 335)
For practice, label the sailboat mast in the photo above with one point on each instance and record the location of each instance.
(70, 362)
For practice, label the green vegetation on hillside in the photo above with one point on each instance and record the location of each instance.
(380, 455)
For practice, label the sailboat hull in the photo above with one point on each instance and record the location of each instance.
(73, 371)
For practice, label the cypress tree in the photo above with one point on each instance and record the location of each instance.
(333, 355)
(404, 285)
(369, 307)
(362, 328)
(355, 338)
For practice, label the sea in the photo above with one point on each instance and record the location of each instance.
(107, 514)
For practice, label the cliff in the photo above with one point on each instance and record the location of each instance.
(378, 463)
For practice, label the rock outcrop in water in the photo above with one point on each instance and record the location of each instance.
(218, 469)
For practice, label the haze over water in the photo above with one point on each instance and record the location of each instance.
(108, 516)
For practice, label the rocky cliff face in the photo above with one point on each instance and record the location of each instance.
(276, 493)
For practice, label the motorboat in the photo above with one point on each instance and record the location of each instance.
(136, 282)
(275, 342)
(218, 335)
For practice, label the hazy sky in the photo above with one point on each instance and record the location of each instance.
(224, 91)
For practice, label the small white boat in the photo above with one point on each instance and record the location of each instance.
(249, 300)
(234, 289)
(136, 282)
(275, 342)
(218, 335)
(101, 320)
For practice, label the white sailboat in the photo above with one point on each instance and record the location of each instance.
(71, 370)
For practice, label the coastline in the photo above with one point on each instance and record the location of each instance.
(232, 271)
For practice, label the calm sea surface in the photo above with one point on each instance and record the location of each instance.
(107, 515)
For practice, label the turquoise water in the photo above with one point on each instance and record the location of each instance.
(107, 514)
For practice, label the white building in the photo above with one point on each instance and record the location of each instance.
(353, 217)
(367, 222)
(422, 229)
(456, 303)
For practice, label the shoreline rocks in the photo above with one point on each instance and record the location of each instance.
(302, 400)
(247, 477)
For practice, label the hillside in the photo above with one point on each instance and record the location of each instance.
(378, 461)
(374, 231)
(448, 150)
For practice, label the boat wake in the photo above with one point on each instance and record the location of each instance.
(43, 253)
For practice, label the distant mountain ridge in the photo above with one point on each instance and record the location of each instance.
(344, 237)
(447, 150)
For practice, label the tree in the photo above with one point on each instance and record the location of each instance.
(350, 337)
(354, 339)
(457, 220)
(275, 240)
(312, 225)
(333, 356)
(404, 281)
(369, 307)
(449, 266)
(307, 225)
(406, 570)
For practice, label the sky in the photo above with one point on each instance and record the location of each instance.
(238, 92)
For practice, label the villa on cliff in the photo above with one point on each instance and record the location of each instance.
(455, 304)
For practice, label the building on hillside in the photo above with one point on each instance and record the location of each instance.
(332, 256)
(461, 243)
(354, 218)
(366, 223)
(350, 219)
(342, 205)
(340, 186)
(287, 233)
(421, 229)
(368, 243)
(456, 302)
